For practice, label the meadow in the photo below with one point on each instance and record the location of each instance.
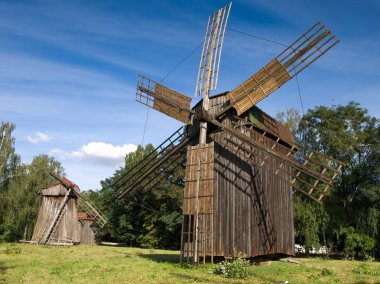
(24, 263)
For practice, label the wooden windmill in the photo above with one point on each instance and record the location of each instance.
(242, 166)
(57, 222)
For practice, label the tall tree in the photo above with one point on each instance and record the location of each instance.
(291, 118)
(23, 196)
(349, 134)
(9, 162)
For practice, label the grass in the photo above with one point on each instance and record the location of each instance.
(99, 264)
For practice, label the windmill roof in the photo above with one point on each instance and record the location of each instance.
(266, 122)
(263, 121)
(57, 189)
(85, 216)
(66, 181)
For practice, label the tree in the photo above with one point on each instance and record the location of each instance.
(349, 134)
(23, 196)
(9, 161)
(291, 118)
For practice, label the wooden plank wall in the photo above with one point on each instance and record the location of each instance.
(87, 236)
(68, 230)
(206, 180)
(253, 207)
(206, 199)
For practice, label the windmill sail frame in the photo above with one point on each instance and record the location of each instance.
(314, 43)
(215, 31)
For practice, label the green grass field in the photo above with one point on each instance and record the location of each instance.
(23, 263)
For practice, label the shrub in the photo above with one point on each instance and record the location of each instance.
(356, 244)
(326, 272)
(236, 268)
(12, 249)
(365, 268)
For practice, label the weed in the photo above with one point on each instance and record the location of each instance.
(12, 249)
(365, 268)
(314, 276)
(326, 272)
(335, 280)
(237, 268)
(186, 265)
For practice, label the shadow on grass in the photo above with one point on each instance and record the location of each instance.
(159, 257)
(3, 270)
(192, 278)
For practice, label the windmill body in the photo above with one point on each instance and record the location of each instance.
(57, 203)
(65, 216)
(243, 207)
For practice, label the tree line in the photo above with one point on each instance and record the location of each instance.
(20, 187)
(347, 222)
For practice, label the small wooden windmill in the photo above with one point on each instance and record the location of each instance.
(57, 222)
(242, 166)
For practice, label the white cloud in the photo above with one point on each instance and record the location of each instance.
(98, 152)
(39, 138)
(59, 153)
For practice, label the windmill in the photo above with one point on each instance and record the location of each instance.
(57, 222)
(242, 166)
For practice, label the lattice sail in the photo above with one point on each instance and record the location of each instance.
(147, 172)
(212, 46)
(163, 99)
(312, 173)
(315, 42)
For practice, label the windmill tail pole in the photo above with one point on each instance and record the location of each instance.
(58, 179)
(68, 187)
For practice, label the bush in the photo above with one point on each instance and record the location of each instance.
(354, 244)
(237, 268)
(12, 249)
(326, 272)
(365, 268)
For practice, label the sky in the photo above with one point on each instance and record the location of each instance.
(69, 68)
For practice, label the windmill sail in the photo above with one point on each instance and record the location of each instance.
(143, 172)
(163, 99)
(212, 47)
(313, 173)
(305, 50)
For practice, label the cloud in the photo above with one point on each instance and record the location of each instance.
(39, 138)
(99, 152)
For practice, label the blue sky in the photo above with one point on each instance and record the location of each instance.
(69, 68)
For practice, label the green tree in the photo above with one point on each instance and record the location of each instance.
(349, 134)
(23, 196)
(291, 118)
(9, 162)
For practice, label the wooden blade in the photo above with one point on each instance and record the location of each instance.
(312, 173)
(163, 99)
(305, 50)
(212, 49)
(143, 172)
